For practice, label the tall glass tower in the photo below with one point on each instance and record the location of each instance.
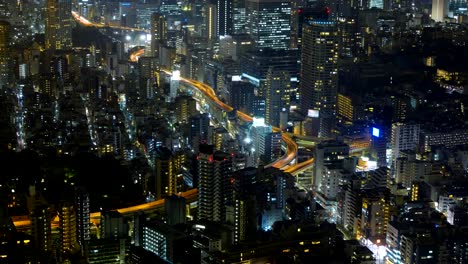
(319, 72)
(268, 23)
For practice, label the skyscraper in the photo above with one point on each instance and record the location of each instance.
(67, 224)
(440, 10)
(319, 83)
(224, 17)
(41, 218)
(214, 170)
(404, 137)
(211, 22)
(4, 58)
(278, 85)
(158, 33)
(268, 23)
(238, 17)
(83, 216)
(166, 177)
(58, 31)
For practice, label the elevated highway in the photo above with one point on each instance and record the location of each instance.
(286, 162)
(85, 22)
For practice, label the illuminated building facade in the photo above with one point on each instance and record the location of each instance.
(319, 83)
(41, 218)
(214, 171)
(319, 63)
(440, 9)
(83, 222)
(68, 234)
(166, 175)
(58, 31)
(268, 23)
(374, 219)
(211, 22)
(326, 154)
(224, 17)
(158, 33)
(278, 85)
(4, 57)
(404, 137)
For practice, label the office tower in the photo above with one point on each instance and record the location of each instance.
(166, 175)
(83, 216)
(278, 94)
(319, 84)
(259, 106)
(214, 171)
(4, 56)
(128, 16)
(349, 36)
(241, 95)
(260, 134)
(113, 226)
(255, 66)
(175, 207)
(58, 31)
(166, 242)
(268, 23)
(328, 153)
(404, 137)
(67, 224)
(158, 34)
(378, 147)
(223, 17)
(239, 17)
(211, 22)
(440, 9)
(174, 85)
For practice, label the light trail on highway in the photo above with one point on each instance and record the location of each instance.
(281, 163)
(134, 56)
(85, 22)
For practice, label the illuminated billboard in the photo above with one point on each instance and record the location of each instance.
(375, 132)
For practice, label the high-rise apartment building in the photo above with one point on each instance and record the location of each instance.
(166, 175)
(58, 31)
(83, 222)
(278, 93)
(67, 224)
(214, 171)
(41, 218)
(404, 137)
(319, 72)
(268, 23)
(158, 33)
(4, 58)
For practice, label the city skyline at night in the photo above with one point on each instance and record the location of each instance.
(233, 131)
